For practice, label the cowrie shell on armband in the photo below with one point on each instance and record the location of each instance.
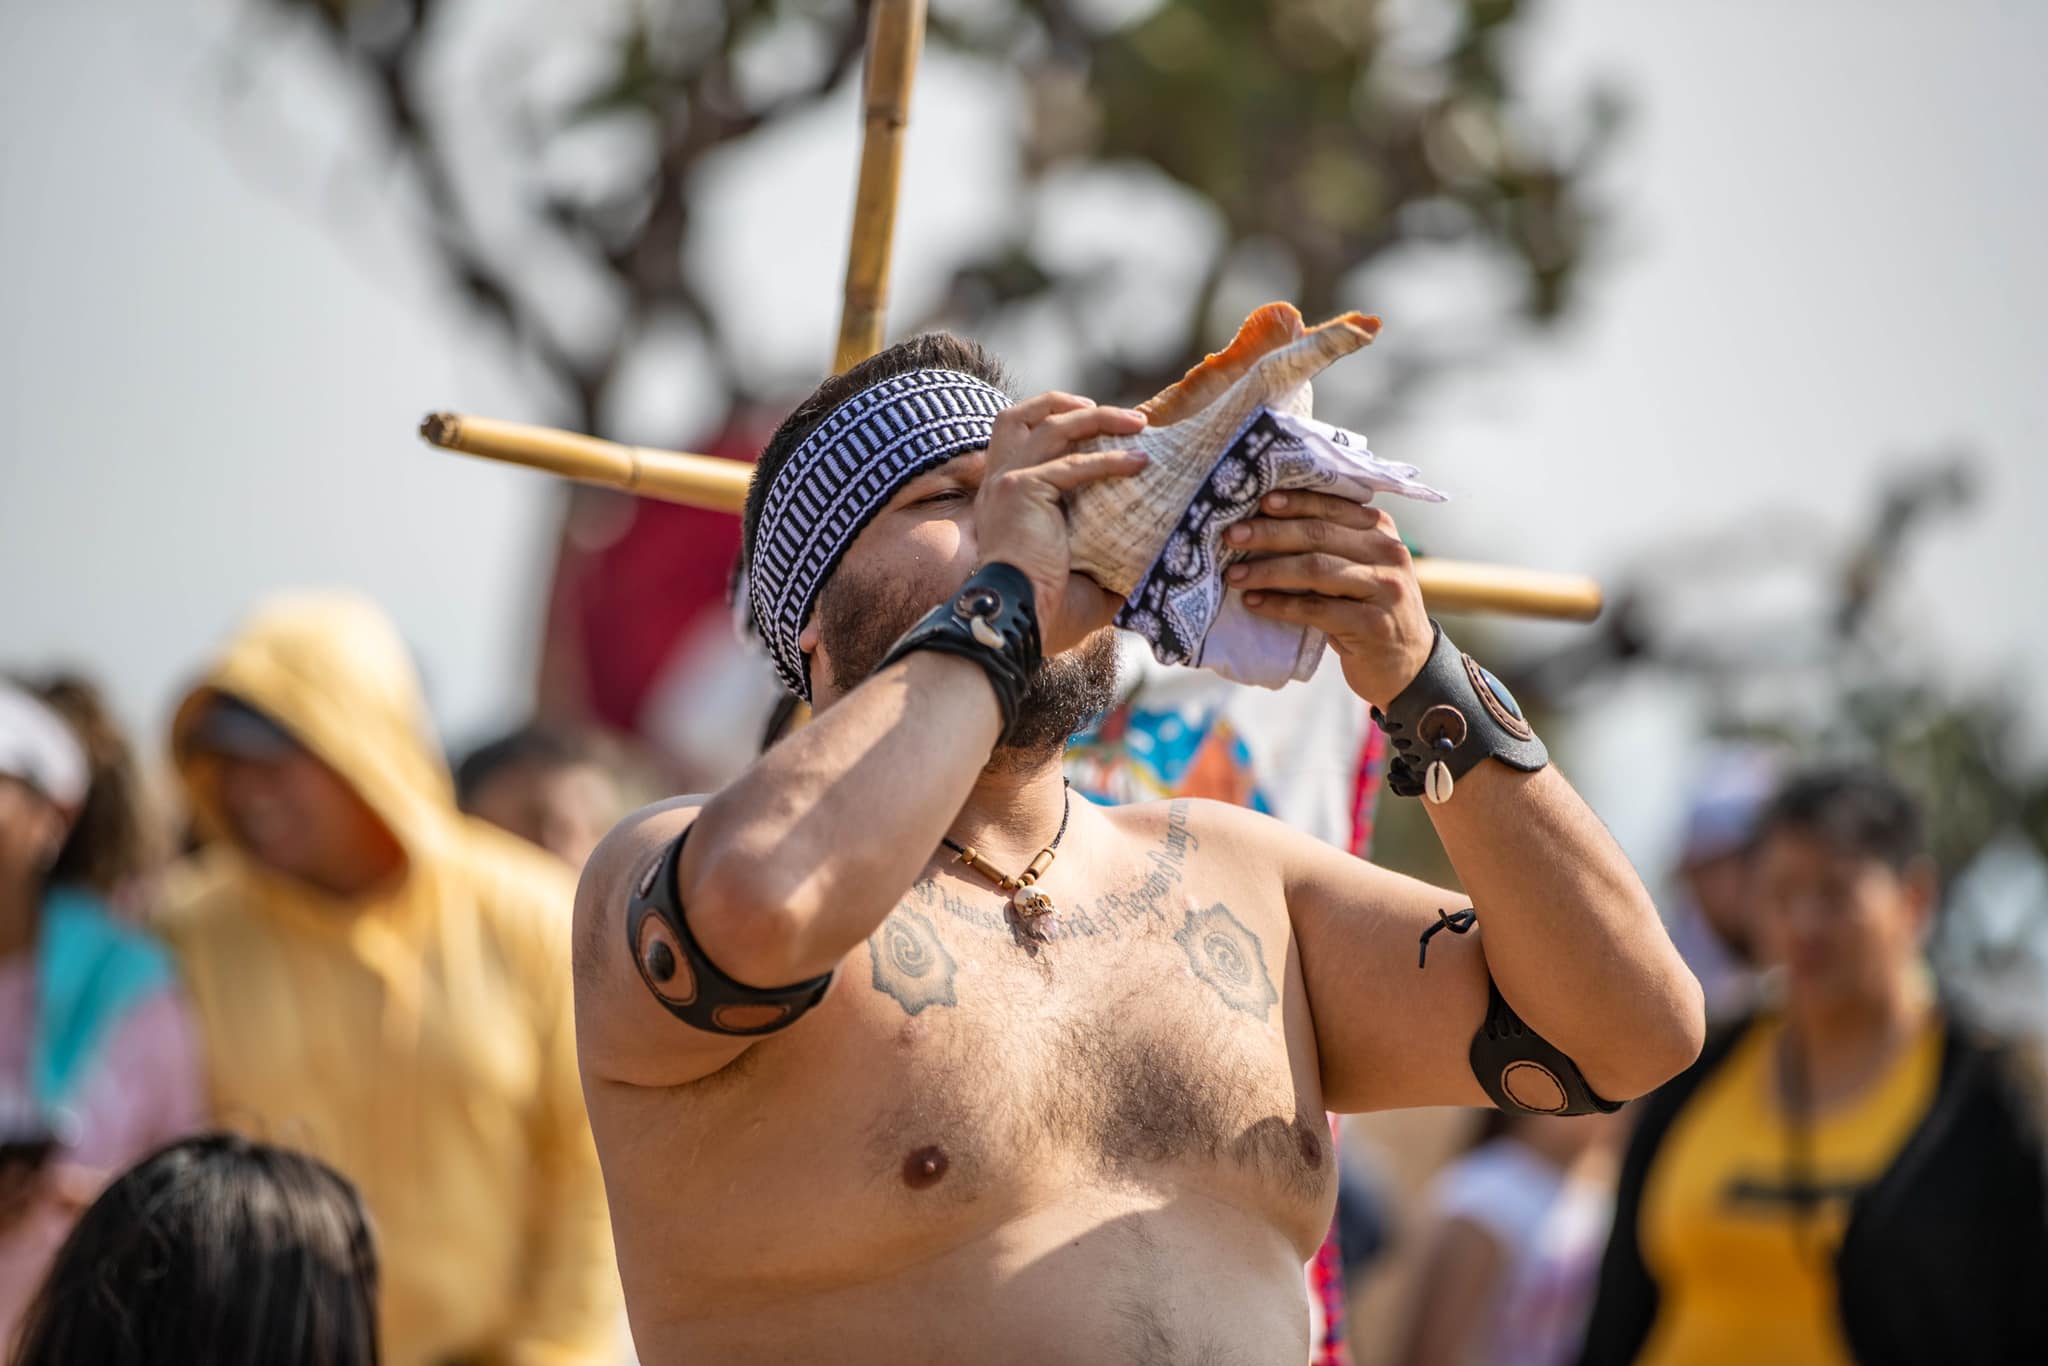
(985, 633)
(1438, 782)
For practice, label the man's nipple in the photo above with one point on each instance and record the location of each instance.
(924, 1168)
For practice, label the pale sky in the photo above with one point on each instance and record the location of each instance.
(214, 349)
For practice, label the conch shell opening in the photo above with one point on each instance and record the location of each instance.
(1119, 527)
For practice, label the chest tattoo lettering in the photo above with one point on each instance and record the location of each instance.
(911, 963)
(1141, 905)
(1229, 958)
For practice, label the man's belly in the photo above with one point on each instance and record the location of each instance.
(1146, 1278)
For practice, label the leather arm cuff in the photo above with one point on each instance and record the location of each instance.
(1452, 716)
(993, 621)
(1523, 1072)
(687, 983)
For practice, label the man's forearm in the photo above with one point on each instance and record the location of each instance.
(801, 857)
(1569, 932)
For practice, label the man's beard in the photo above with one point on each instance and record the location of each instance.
(859, 621)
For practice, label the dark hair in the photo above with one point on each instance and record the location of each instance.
(927, 351)
(537, 745)
(214, 1251)
(1852, 809)
(112, 840)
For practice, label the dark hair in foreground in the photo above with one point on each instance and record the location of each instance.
(928, 351)
(1852, 809)
(214, 1251)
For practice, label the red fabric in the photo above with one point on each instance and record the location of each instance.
(1365, 795)
(1326, 1272)
(620, 603)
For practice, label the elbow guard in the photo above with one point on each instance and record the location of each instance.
(1524, 1073)
(686, 982)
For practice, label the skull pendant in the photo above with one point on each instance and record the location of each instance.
(1035, 911)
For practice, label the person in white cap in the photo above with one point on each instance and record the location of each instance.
(99, 1058)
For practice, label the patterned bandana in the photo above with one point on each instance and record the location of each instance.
(839, 477)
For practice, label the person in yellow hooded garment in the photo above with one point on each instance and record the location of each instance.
(384, 983)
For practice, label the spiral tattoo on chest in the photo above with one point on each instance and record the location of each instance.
(910, 962)
(1229, 958)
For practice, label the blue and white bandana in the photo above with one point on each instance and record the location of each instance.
(839, 477)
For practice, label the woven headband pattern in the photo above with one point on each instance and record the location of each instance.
(839, 477)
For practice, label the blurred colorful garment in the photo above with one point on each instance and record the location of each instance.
(419, 1040)
(97, 1047)
(639, 635)
(1907, 1225)
(1308, 756)
(1550, 1230)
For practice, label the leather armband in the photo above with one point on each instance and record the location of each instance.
(1453, 716)
(992, 620)
(688, 984)
(1526, 1074)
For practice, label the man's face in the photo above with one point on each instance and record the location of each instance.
(1722, 887)
(295, 815)
(914, 555)
(1842, 925)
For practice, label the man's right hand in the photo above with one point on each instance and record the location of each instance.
(1020, 515)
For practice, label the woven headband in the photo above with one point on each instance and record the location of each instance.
(839, 477)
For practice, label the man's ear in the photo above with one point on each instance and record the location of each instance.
(807, 641)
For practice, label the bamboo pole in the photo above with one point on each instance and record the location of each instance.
(709, 481)
(895, 37)
(705, 481)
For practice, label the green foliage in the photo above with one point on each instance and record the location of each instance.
(1315, 129)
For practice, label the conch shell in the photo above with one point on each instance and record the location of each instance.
(1119, 527)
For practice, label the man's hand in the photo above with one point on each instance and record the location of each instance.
(1340, 567)
(1020, 515)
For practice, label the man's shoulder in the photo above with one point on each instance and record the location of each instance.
(629, 843)
(1196, 814)
(1210, 828)
(622, 854)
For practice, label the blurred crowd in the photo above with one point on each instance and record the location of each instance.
(293, 1076)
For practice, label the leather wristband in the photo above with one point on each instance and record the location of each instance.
(992, 620)
(1453, 715)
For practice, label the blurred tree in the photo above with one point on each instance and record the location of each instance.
(1323, 133)
(556, 161)
(1803, 641)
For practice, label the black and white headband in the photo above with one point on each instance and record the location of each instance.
(839, 477)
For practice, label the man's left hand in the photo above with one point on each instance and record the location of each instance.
(1340, 567)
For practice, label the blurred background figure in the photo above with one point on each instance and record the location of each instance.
(1713, 912)
(99, 1059)
(384, 982)
(215, 1251)
(1520, 1221)
(1855, 1171)
(548, 785)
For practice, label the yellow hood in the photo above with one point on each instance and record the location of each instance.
(420, 1038)
(331, 669)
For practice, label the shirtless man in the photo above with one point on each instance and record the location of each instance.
(997, 1136)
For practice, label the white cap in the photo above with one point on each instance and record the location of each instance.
(39, 747)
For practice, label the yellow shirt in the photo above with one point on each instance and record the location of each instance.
(420, 1040)
(1742, 1274)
